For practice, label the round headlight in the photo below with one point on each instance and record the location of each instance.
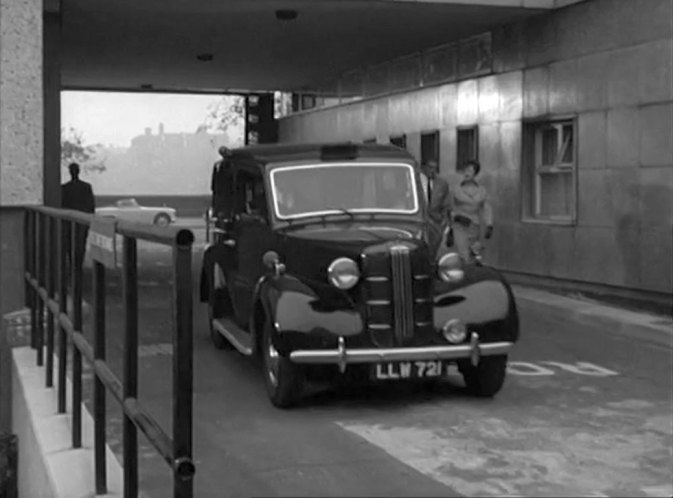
(454, 331)
(450, 268)
(343, 273)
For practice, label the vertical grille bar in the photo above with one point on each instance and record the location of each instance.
(403, 308)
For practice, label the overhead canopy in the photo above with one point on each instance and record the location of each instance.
(130, 44)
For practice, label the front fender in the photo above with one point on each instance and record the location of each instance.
(483, 299)
(296, 306)
(212, 254)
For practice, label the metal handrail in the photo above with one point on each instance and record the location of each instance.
(44, 227)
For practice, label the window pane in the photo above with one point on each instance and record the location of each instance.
(556, 194)
(568, 136)
(430, 147)
(400, 141)
(466, 146)
(549, 145)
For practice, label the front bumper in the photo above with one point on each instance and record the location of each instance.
(343, 357)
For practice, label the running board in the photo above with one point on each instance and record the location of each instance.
(238, 337)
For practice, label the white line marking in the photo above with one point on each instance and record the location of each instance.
(583, 368)
(525, 368)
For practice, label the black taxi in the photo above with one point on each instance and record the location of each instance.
(318, 262)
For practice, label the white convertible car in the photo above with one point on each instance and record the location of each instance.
(130, 210)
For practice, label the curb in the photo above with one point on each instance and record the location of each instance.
(656, 329)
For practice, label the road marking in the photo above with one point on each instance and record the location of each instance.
(665, 490)
(525, 368)
(583, 368)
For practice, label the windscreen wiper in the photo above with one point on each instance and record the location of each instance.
(345, 211)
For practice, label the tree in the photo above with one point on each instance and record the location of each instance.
(227, 112)
(89, 157)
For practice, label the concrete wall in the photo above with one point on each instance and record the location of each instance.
(605, 62)
(11, 298)
(49, 467)
(21, 139)
(21, 107)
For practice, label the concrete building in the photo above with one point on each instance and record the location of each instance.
(570, 113)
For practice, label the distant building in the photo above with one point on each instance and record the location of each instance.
(162, 163)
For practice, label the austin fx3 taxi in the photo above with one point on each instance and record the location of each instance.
(318, 262)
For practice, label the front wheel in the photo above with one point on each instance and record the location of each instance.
(487, 378)
(162, 220)
(284, 380)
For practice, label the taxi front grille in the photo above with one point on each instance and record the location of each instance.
(396, 294)
(403, 299)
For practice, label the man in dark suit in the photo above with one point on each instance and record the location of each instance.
(437, 200)
(77, 195)
(222, 185)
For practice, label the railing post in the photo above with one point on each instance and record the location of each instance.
(77, 325)
(98, 387)
(33, 275)
(183, 481)
(64, 228)
(130, 432)
(51, 271)
(39, 336)
(27, 255)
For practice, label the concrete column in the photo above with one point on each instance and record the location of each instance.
(21, 153)
(52, 102)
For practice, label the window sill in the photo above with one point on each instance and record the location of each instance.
(549, 221)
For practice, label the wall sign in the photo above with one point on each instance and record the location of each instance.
(102, 240)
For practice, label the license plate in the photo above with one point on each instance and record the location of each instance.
(408, 370)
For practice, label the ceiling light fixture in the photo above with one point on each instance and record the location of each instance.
(286, 14)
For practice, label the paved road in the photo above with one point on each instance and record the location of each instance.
(584, 412)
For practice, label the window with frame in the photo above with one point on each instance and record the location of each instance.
(550, 166)
(250, 196)
(430, 147)
(467, 145)
(399, 141)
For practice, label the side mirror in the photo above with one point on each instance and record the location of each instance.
(272, 261)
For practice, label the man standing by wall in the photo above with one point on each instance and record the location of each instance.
(77, 195)
(472, 213)
(438, 202)
(222, 185)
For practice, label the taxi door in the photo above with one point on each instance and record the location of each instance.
(253, 237)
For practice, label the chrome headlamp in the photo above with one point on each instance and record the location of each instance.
(450, 268)
(343, 273)
(454, 331)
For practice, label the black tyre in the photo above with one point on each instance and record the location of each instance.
(218, 307)
(487, 378)
(284, 380)
(162, 220)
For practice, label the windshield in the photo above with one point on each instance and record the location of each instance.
(320, 189)
(127, 203)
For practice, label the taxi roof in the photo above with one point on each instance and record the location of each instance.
(322, 152)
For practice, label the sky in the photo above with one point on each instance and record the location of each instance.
(114, 118)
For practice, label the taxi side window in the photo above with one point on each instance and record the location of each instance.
(251, 198)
